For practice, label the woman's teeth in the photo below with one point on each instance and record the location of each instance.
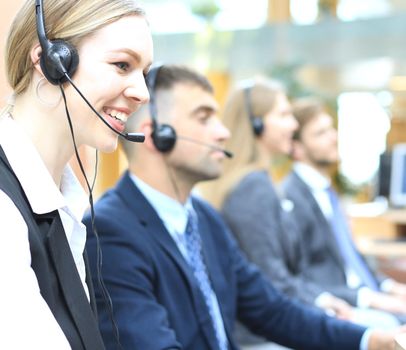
(117, 115)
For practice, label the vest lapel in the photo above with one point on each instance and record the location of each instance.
(71, 285)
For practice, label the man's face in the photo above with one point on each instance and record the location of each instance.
(319, 141)
(194, 115)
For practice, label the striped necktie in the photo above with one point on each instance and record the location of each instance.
(196, 262)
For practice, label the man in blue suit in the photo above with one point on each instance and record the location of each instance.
(176, 278)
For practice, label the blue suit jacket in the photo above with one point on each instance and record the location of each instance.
(157, 302)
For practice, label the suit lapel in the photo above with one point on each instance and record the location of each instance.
(321, 219)
(156, 230)
(148, 218)
(71, 285)
(162, 237)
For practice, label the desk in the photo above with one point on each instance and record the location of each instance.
(381, 248)
(381, 237)
(390, 224)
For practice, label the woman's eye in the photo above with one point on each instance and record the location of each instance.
(122, 66)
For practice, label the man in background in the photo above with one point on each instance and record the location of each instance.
(332, 258)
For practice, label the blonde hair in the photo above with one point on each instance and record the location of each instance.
(70, 20)
(242, 143)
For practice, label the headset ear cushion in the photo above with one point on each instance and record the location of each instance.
(68, 56)
(164, 137)
(257, 125)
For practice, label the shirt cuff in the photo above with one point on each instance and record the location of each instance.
(320, 302)
(364, 297)
(387, 285)
(321, 299)
(365, 339)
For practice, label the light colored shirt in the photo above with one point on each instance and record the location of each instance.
(27, 321)
(318, 184)
(174, 215)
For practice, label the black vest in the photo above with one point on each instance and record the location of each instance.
(54, 267)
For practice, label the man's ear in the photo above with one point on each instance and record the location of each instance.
(297, 150)
(146, 128)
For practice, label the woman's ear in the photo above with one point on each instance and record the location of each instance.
(35, 55)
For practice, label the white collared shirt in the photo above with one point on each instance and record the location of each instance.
(27, 321)
(318, 185)
(174, 215)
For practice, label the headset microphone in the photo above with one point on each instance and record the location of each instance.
(228, 154)
(132, 136)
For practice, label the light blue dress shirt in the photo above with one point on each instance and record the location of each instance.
(174, 215)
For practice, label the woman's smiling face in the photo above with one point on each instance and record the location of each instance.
(113, 63)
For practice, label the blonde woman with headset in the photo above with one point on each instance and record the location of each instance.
(104, 47)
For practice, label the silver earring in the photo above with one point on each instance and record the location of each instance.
(37, 92)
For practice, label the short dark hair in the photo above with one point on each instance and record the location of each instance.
(169, 75)
(305, 110)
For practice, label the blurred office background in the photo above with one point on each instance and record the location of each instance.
(352, 53)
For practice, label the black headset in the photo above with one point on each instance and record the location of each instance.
(256, 121)
(163, 135)
(58, 57)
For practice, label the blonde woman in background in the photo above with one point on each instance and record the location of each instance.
(46, 300)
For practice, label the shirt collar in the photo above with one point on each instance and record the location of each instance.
(314, 179)
(42, 193)
(172, 213)
(77, 200)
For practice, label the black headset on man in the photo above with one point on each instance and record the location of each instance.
(163, 135)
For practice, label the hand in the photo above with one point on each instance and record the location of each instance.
(388, 302)
(339, 307)
(398, 289)
(384, 340)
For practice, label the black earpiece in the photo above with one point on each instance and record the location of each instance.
(58, 57)
(256, 121)
(163, 135)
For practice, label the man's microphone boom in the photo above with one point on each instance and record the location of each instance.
(228, 154)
